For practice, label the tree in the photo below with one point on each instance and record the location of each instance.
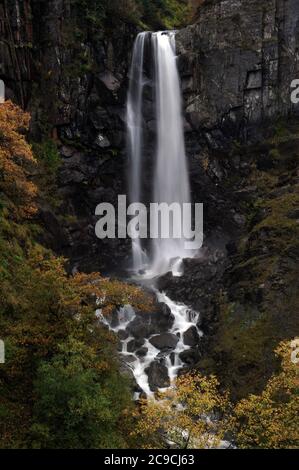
(16, 158)
(53, 339)
(78, 405)
(191, 414)
(270, 420)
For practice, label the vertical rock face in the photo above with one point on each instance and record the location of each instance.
(70, 72)
(237, 63)
(65, 69)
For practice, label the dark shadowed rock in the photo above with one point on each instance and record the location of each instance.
(122, 334)
(134, 344)
(140, 328)
(155, 322)
(190, 357)
(164, 318)
(191, 336)
(164, 341)
(141, 352)
(157, 376)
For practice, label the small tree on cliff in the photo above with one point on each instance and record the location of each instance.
(16, 158)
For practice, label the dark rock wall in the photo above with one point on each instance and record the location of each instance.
(237, 63)
(71, 74)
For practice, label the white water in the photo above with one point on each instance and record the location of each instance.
(135, 137)
(184, 318)
(171, 181)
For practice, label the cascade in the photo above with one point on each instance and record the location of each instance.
(170, 185)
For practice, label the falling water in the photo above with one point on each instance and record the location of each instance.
(171, 181)
(135, 135)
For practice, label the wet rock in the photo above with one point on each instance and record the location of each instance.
(140, 328)
(172, 358)
(125, 368)
(148, 324)
(110, 81)
(162, 319)
(102, 141)
(190, 356)
(157, 376)
(66, 151)
(202, 277)
(99, 118)
(114, 320)
(134, 344)
(141, 352)
(122, 334)
(191, 336)
(164, 341)
(128, 358)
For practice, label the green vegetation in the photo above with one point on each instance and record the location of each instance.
(48, 155)
(148, 14)
(78, 406)
(164, 14)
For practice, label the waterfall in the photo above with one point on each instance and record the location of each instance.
(169, 184)
(170, 176)
(171, 181)
(135, 135)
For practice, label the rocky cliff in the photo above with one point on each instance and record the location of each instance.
(237, 63)
(69, 70)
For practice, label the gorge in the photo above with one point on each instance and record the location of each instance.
(204, 115)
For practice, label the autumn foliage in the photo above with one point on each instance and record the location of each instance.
(16, 158)
(60, 385)
(196, 413)
(270, 420)
(191, 414)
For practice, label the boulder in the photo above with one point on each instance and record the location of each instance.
(146, 324)
(157, 376)
(124, 366)
(164, 341)
(190, 356)
(140, 328)
(191, 336)
(134, 344)
(141, 352)
(164, 318)
(122, 335)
